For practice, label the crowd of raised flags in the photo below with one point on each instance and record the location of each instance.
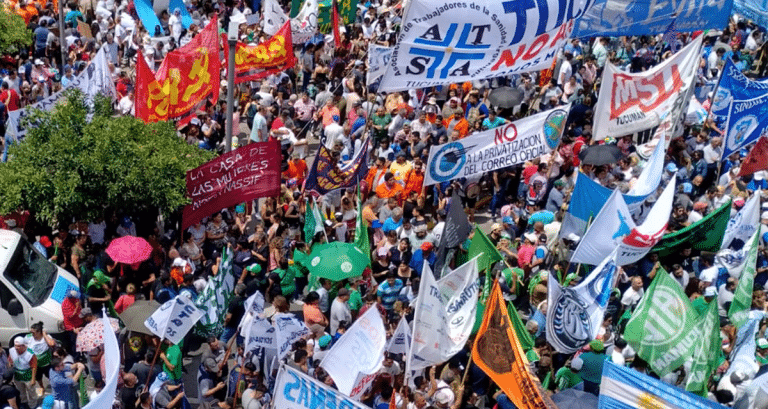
(628, 267)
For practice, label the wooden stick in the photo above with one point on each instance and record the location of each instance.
(154, 360)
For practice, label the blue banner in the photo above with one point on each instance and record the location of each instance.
(329, 173)
(641, 17)
(625, 388)
(755, 10)
(747, 121)
(734, 86)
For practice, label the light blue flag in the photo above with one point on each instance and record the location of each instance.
(747, 119)
(743, 354)
(625, 388)
(734, 85)
(641, 17)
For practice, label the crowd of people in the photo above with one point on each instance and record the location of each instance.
(326, 100)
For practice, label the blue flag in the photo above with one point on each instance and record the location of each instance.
(625, 388)
(330, 173)
(734, 85)
(747, 120)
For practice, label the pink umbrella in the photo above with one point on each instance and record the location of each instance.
(129, 250)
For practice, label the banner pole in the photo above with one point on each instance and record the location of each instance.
(231, 43)
(154, 360)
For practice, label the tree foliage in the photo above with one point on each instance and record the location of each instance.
(69, 167)
(13, 32)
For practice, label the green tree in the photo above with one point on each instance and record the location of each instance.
(13, 32)
(69, 167)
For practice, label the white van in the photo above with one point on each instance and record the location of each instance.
(31, 288)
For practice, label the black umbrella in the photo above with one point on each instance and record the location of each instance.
(600, 155)
(505, 97)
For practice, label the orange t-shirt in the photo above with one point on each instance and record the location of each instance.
(413, 183)
(296, 171)
(328, 114)
(312, 315)
(384, 192)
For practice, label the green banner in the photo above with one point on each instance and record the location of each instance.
(347, 11)
(742, 297)
(361, 229)
(706, 354)
(663, 327)
(324, 17)
(482, 244)
(704, 235)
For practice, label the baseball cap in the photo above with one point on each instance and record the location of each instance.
(324, 341)
(699, 206)
(210, 365)
(45, 241)
(671, 168)
(507, 220)
(762, 343)
(687, 188)
(426, 246)
(710, 291)
(18, 341)
(444, 396)
(342, 292)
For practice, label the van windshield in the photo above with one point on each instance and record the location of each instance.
(31, 273)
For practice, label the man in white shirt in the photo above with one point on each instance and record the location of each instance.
(174, 22)
(340, 310)
(566, 70)
(709, 272)
(600, 51)
(126, 104)
(634, 294)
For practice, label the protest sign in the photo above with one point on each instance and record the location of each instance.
(106, 396)
(174, 319)
(186, 77)
(274, 18)
(378, 58)
(259, 333)
(274, 55)
(507, 145)
(326, 174)
(642, 17)
(94, 80)
(734, 85)
(247, 173)
(295, 390)
(663, 327)
(445, 313)
(657, 97)
(747, 121)
(706, 354)
(304, 25)
(614, 229)
(624, 387)
(575, 314)
(443, 43)
(359, 351)
(401, 339)
(497, 352)
(288, 329)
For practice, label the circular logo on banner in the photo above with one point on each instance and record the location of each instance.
(668, 328)
(741, 129)
(553, 127)
(722, 99)
(448, 162)
(346, 266)
(315, 261)
(570, 322)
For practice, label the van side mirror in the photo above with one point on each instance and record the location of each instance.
(14, 307)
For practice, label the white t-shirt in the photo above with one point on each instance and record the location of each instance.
(632, 297)
(709, 275)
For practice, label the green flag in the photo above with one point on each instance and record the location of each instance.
(324, 16)
(742, 297)
(705, 235)
(215, 297)
(482, 244)
(361, 230)
(348, 11)
(706, 353)
(663, 327)
(313, 221)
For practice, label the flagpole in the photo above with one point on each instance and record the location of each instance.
(154, 360)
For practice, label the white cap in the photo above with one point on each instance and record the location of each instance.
(18, 341)
(764, 215)
(444, 396)
(710, 291)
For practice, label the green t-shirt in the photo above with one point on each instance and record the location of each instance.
(287, 281)
(566, 379)
(700, 305)
(381, 121)
(173, 354)
(355, 300)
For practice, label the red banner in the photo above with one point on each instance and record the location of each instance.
(185, 79)
(259, 61)
(242, 175)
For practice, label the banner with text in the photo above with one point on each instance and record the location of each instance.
(185, 79)
(247, 173)
(253, 62)
(174, 319)
(288, 329)
(378, 58)
(452, 42)
(507, 145)
(755, 10)
(734, 85)
(630, 103)
(642, 17)
(94, 80)
(295, 390)
(747, 121)
(304, 25)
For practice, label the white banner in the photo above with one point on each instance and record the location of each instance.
(507, 145)
(378, 58)
(288, 329)
(650, 177)
(614, 229)
(360, 351)
(259, 332)
(304, 25)
(630, 103)
(94, 80)
(274, 17)
(106, 397)
(400, 342)
(744, 224)
(295, 390)
(174, 319)
(444, 43)
(444, 315)
(255, 304)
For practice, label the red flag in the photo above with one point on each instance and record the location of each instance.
(393, 402)
(757, 159)
(268, 57)
(336, 32)
(144, 77)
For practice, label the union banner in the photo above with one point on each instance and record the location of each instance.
(259, 61)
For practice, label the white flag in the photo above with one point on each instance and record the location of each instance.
(288, 329)
(378, 58)
(650, 177)
(259, 333)
(614, 229)
(360, 351)
(255, 303)
(444, 315)
(304, 25)
(741, 226)
(400, 342)
(274, 17)
(174, 319)
(105, 398)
